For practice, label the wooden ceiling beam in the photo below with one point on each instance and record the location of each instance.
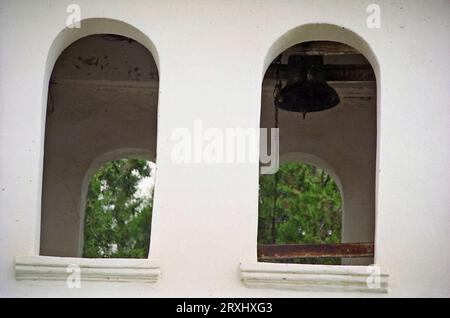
(333, 72)
(320, 48)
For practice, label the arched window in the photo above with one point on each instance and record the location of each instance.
(302, 204)
(119, 209)
(322, 96)
(102, 106)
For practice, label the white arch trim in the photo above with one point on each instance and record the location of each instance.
(90, 26)
(320, 32)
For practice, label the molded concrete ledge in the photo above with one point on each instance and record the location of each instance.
(314, 278)
(111, 270)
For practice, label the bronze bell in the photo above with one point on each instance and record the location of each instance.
(306, 89)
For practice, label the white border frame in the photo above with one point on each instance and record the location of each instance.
(314, 278)
(91, 269)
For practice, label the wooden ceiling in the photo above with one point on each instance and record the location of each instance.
(342, 63)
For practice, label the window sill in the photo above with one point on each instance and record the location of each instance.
(106, 270)
(314, 278)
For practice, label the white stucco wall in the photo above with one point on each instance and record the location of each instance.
(217, 51)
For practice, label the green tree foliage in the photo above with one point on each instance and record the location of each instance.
(308, 208)
(115, 215)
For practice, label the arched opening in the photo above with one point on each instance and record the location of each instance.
(310, 209)
(118, 209)
(306, 69)
(102, 106)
